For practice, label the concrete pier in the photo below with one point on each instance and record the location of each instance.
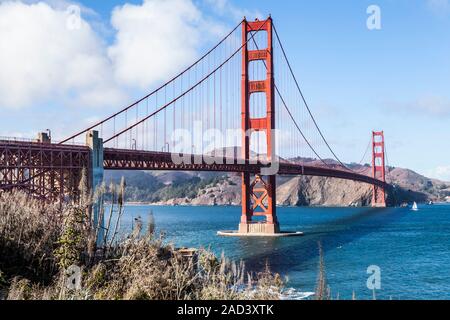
(259, 235)
(43, 137)
(255, 227)
(259, 229)
(96, 173)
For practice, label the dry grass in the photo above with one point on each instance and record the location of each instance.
(323, 291)
(38, 244)
(28, 236)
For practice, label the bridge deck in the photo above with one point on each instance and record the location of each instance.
(119, 159)
(42, 156)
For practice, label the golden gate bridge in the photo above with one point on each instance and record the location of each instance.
(244, 84)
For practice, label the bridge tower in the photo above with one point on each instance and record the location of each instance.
(258, 191)
(378, 168)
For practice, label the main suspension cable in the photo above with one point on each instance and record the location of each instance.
(156, 90)
(365, 152)
(186, 92)
(305, 102)
(289, 111)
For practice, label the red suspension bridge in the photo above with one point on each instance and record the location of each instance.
(238, 108)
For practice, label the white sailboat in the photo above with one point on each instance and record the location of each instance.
(414, 207)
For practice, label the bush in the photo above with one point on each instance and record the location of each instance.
(29, 231)
(39, 243)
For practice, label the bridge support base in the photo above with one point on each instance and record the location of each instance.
(259, 235)
(379, 205)
(256, 227)
(258, 200)
(96, 173)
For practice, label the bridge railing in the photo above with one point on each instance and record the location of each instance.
(17, 139)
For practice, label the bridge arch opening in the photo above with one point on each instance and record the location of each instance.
(258, 105)
(258, 142)
(257, 70)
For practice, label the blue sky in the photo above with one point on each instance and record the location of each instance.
(395, 79)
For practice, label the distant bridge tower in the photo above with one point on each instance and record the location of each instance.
(258, 192)
(378, 168)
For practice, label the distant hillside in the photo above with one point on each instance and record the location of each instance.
(163, 186)
(208, 188)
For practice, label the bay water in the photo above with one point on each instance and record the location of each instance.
(410, 249)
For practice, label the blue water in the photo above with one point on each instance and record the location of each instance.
(411, 248)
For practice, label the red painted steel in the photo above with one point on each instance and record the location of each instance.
(48, 171)
(52, 171)
(125, 159)
(378, 169)
(258, 192)
(21, 160)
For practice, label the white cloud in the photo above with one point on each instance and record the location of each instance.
(439, 6)
(42, 59)
(43, 62)
(225, 7)
(432, 106)
(58, 5)
(440, 172)
(155, 40)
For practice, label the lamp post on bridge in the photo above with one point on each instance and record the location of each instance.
(49, 132)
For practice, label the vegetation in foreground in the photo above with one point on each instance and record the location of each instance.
(41, 244)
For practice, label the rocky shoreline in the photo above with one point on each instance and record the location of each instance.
(221, 189)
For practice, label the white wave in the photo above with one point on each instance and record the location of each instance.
(294, 294)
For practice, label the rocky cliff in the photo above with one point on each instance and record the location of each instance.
(319, 191)
(189, 188)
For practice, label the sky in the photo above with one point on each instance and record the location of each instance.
(62, 75)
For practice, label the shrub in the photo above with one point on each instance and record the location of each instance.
(29, 231)
(39, 242)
